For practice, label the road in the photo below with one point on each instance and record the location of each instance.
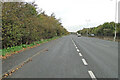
(68, 57)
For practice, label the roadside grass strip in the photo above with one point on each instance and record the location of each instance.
(4, 53)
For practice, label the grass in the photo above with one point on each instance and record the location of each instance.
(17, 49)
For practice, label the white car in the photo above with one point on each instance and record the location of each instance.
(79, 35)
(92, 35)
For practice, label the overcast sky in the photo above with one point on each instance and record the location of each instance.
(75, 14)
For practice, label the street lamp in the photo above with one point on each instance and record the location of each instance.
(115, 18)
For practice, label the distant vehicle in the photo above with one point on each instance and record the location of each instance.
(92, 35)
(79, 35)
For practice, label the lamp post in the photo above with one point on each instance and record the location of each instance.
(115, 19)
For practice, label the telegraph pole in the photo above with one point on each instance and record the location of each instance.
(115, 34)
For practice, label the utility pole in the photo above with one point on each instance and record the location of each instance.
(115, 19)
(116, 4)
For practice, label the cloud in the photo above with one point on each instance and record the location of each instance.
(74, 13)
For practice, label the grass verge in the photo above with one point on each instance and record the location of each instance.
(4, 53)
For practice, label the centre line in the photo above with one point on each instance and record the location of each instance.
(78, 50)
(75, 44)
(76, 47)
(80, 54)
(84, 62)
(92, 75)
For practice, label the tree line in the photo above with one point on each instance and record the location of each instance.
(23, 24)
(106, 29)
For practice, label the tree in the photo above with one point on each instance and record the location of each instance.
(22, 24)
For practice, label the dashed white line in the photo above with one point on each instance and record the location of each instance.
(73, 41)
(92, 75)
(80, 54)
(84, 62)
(78, 50)
(74, 44)
(76, 47)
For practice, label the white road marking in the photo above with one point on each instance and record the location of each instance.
(73, 41)
(84, 62)
(80, 54)
(78, 50)
(92, 75)
(76, 47)
(74, 44)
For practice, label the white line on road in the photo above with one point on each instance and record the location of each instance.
(80, 54)
(92, 75)
(74, 43)
(78, 50)
(76, 47)
(84, 62)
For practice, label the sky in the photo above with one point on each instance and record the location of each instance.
(79, 14)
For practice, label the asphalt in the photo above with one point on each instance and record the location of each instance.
(16, 59)
(62, 60)
(102, 56)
